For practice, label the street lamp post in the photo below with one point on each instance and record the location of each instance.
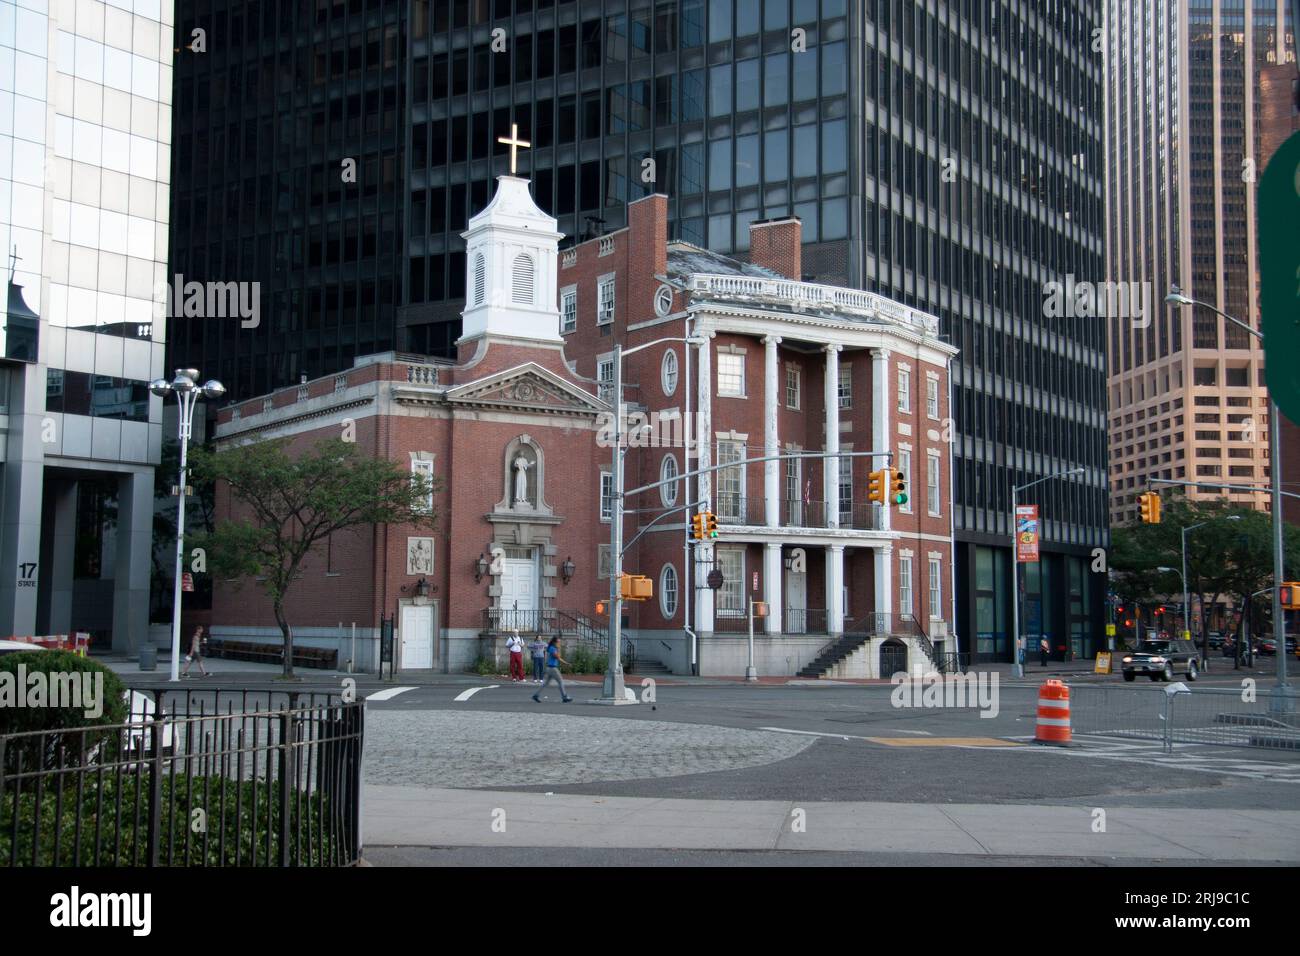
(1017, 650)
(187, 390)
(612, 686)
(1187, 621)
(1281, 700)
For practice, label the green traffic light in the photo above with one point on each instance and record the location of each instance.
(900, 499)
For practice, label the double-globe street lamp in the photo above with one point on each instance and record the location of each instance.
(187, 391)
(1017, 649)
(1281, 699)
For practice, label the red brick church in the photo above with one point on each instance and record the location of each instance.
(517, 430)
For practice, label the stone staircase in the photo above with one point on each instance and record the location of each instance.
(834, 653)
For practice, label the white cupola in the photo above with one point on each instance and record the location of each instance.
(511, 258)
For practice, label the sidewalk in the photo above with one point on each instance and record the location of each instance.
(411, 816)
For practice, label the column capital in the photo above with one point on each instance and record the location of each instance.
(835, 548)
(832, 348)
(880, 353)
(771, 340)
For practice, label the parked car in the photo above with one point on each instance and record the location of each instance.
(1161, 659)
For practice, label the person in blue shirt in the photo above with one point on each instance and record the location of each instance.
(553, 662)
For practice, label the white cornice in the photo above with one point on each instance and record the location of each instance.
(821, 330)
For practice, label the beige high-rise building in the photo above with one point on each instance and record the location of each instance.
(1187, 395)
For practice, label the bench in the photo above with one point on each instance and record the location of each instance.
(317, 657)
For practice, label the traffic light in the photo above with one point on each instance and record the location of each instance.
(1291, 595)
(1149, 507)
(636, 587)
(710, 524)
(697, 524)
(600, 608)
(876, 486)
(899, 496)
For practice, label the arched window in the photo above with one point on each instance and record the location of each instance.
(667, 472)
(522, 280)
(668, 591)
(480, 278)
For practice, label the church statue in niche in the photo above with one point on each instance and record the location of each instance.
(524, 469)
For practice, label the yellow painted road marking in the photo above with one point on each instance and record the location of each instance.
(943, 742)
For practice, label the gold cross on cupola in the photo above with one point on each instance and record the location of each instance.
(514, 142)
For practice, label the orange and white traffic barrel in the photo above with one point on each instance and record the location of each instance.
(1053, 713)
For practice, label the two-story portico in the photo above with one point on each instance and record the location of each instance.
(794, 368)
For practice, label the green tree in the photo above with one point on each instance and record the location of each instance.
(1229, 556)
(290, 502)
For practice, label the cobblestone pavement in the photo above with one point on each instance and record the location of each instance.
(460, 749)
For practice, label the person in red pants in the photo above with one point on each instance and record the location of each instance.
(515, 645)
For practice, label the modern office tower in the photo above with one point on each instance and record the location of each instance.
(944, 154)
(1184, 106)
(290, 140)
(85, 131)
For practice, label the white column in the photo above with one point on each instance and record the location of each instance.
(772, 571)
(704, 484)
(881, 440)
(831, 466)
(884, 581)
(771, 438)
(835, 589)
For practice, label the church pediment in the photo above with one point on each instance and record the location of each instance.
(527, 387)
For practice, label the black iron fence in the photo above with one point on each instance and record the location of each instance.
(504, 620)
(805, 620)
(204, 778)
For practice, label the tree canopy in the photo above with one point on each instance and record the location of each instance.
(289, 502)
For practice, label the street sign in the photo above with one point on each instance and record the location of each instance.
(1279, 274)
(755, 581)
(1110, 630)
(187, 581)
(1102, 665)
(1026, 534)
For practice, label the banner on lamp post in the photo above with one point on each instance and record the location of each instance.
(1026, 534)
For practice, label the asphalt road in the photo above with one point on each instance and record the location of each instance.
(801, 743)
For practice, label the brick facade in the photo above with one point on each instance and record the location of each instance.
(507, 392)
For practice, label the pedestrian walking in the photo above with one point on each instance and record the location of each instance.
(196, 653)
(1042, 650)
(515, 645)
(538, 648)
(553, 662)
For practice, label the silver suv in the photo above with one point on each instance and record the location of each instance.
(1161, 659)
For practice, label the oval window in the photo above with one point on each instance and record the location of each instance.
(667, 472)
(668, 591)
(668, 372)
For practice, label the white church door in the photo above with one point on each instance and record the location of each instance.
(519, 590)
(417, 637)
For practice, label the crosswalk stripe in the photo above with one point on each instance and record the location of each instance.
(388, 693)
(467, 694)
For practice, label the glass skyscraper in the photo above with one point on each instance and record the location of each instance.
(85, 140)
(947, 155)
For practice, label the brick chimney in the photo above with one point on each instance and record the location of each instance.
(777, 244)
(647, 246)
